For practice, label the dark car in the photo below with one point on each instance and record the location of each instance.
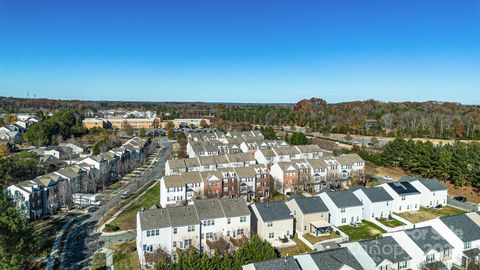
(92, 209)
(460, 199)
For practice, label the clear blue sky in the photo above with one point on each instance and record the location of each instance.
(241, 50)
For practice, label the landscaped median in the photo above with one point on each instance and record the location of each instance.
(363, 231)
(425, 214)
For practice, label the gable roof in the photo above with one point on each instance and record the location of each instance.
(427, 238)
(176, 163)
(430, 183)
(463, 226)
(343, 198)
(272, 211)
(310, 205)
(375, 248)
(234, 207)
(403, 188)
(348, 159)
(209, 209)
(335, 259)
(287, 263)
(377, 194)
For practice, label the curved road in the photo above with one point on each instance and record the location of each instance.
(82, 241)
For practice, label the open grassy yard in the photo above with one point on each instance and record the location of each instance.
(392, 223)
(99, 261)
(125, 257)
(430, 213)
(44, 233)
(298, 249)
(314, 239)
(127, 219)
(366, 230)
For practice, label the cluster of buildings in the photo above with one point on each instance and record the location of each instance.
(176, 228)
(139, 121)
(45, 194)
(13, 133)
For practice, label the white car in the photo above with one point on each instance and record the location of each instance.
(389, 178)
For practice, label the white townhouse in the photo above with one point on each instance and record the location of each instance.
(383, 253)
(344, 207)
(310, 213)
(241, 159)
(192, 225)
(433, 192)
(285, 176)
(287, 153)
(176, 188)
(377, 203)
(206, 164)
(350, 165)
(405, 196)
(175, 167)
(310, 151)
(31, 196)
(426, 246)
(272, 221)
(265, 156)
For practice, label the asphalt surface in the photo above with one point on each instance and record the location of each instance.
(82, 241)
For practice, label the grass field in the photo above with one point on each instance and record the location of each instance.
(314, 239)
(366, 230)
(300, 248)
(127, 219)
(392, 223)
(99, 261)
(125, 257)
(430, 213)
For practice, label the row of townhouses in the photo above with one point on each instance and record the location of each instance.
(198, 225)
(439, 243)
(224, 137)
(320, 214)
(247, 182)
(45, 194)
(230, 146)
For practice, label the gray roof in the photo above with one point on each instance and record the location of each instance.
(427, 238)
(191, 162)
(234, 207)
(154, 219)
(344, 198)
(334, 259)
(245, 172)
(287, 263)
(377, 194)
(176, 163)
(271, 211)
(287, 150)
(375, 248)
(348, 159)
(464, 227)
(431, 183)
(205, 161)
(310, 205)
(183, 215)
(182, 179)
(209, 209)
(309, 148)
(317, 163)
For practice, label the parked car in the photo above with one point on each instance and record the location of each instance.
(388, 177)
(125, 195)
(460, 199)
(92, 209)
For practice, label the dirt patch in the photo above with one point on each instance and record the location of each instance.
(395, 173)
(472, 194)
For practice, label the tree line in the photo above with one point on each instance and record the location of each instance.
(458, 163)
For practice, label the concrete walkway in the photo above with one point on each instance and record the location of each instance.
(57, 242)
(109, 257)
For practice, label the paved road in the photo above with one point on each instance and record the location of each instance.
(82, 242)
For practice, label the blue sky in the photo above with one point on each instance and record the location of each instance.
(241, 50)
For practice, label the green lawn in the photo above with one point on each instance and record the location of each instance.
(127, 219)
(366, 230)
(430, 213)
(392, 223)
(300, 248)
(314, 239)
(125, 257)
(99, 261)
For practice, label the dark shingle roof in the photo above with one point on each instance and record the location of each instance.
(376, 249)
(271, 211)
(209, 209)
(377, 194)
(287, 263)
(432, 184)
(403, 188)
(427, 238)
(344, 198)
(334, 259)
(310, 205)
(465, 228)
(154, 219)
(234, 207)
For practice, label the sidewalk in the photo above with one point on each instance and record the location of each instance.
(57, 243)
(109, 257)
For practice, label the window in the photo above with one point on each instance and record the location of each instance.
(342, 210)
(243, 219)
(467, 245)
(269, 224)
(240, 232)
(191, 228)
(157, 232)
(174, 230)
(344, 220)
(430, 258)
(209, 235)
(174, 244)
(403, 198)
(228, 233)
(229, 220)
(446, 253)
(402, 265)
(148, 233)
(271, 235)
(188, 243)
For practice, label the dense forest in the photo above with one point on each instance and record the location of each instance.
(458, 163)
(430, 119)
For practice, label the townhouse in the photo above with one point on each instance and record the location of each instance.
(208, 163)
(434, 193)
(273, 222)
(405, 196)
(380, 253)
(350, 165)
(30, 197)
(311, 215)
(343, 207)
(377, 203)
(180, 188)
(285, 176)
(178, 228)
